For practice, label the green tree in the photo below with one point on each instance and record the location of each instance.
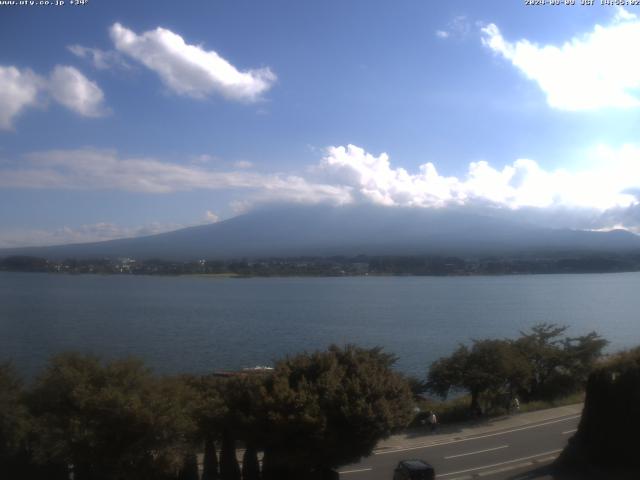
(542, 347)
(582, 354)
(560, 365)
(111, 421)
(492, 367)
(326, 409)
(15, 426)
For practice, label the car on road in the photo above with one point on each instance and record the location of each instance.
(414, 470)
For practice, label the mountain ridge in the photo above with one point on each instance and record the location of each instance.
(348, 230)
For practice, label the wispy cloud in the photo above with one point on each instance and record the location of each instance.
(590, 71)
(104, 169)
(190, 70)
(97, 232)
(458, 27)
(211, 217)
(21, 89)
(100, 59)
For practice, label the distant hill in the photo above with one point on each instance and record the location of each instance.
(352, 230)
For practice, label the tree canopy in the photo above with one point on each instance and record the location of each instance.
(540, 364)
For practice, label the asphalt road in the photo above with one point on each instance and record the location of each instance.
(496, 455)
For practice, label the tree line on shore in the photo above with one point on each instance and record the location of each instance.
(312, 413)
(433, 265)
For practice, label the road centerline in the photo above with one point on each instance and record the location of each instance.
(476, 452)
(484, 467)
(356, 471)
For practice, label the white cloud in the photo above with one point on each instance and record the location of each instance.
(459, 27)
(604, 194)
(243, 164)
(190, 70)
(21, 89)
(623, 15)
(211, 217)
(18, 91)
(100, 59)
(591, 71)
(10, 238)
(521, 184)
(73, 90)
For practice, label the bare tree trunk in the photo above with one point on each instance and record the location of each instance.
(250, 465)
(229, 468)
(189, 470)
(210, 470)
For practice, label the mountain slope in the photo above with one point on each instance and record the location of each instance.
(322, 231)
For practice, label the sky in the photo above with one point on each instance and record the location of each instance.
(122, 118)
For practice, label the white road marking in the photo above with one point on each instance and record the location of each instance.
(419, 447)
(500, 464)
(355, 471)
(567, 432)
(475, 453)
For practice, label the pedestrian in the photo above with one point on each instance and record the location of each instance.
(433, 421)
(516, 404)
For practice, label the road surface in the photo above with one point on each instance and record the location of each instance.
(494, 455)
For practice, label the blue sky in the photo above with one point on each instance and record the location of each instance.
(126, 118)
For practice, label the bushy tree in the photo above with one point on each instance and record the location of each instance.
(15, 458)
(111, 421)
(330, 408)
(489, 366)
(542, 347)
(540, 364)
(560, 364)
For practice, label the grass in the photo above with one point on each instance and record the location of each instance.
(456, 410)
(577, 397)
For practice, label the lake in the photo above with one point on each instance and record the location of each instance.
(201, 324)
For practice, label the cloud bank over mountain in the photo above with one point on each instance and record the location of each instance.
(601, 197)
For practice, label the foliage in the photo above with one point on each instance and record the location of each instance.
(111, 420)
(330, 408)
(14, 418)
(494, 366)
(539, 365)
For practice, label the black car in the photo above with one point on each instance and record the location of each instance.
(414, 470)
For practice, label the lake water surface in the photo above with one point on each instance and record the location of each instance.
(200, 324)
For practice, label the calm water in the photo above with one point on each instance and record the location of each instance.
(200, 324)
